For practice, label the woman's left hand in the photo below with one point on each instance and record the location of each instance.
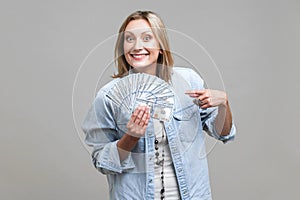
(209, 98)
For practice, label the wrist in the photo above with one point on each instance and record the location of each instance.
(131, 137)
(128, 139)
(127, 142)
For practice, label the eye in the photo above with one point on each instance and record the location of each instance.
(147, 38)
(129, 38)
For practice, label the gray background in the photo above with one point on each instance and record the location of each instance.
(43, 43)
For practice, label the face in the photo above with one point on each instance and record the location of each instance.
(141, 48)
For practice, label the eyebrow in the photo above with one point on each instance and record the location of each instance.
(141, 33)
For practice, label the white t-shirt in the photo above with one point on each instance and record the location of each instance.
(170, 182)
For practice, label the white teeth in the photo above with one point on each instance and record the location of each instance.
(138, 55)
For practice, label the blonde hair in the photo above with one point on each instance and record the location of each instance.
(164, 60)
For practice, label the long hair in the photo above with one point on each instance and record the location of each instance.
(164, 61)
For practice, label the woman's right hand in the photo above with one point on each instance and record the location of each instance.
(138, 122)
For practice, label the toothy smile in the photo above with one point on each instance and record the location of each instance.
(139, 56)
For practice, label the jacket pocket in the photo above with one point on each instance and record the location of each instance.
(187, 120)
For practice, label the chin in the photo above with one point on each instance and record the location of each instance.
(139, 65)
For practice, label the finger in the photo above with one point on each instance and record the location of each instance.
(147, 120)
(134, 115)
(143, 120)
(146, 117)
(191, 94)
(206, 103)
(204, 96)
(194, 93)
(140, 115)
(204, 106)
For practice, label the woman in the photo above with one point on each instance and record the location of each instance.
(145, 158)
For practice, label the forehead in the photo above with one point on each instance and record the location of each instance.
(138, 26)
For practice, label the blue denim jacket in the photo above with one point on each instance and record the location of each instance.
(133, 178)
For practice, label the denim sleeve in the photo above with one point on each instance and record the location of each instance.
(208, 115)
(101, 134)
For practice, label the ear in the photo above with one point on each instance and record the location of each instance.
(160, 51)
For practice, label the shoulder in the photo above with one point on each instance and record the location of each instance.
(108, 86)
(188, 75)
(184, 70)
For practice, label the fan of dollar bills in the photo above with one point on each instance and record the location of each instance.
(139, 88)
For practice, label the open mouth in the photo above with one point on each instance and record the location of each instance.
(139, 56)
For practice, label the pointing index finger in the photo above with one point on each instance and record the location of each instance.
(194, 93)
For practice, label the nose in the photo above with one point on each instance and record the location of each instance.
(138, 44)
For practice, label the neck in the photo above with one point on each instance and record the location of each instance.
(150, 69)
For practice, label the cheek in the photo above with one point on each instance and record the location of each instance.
(152, 44)
(154, 48)
(156, 54)
(126, 47)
